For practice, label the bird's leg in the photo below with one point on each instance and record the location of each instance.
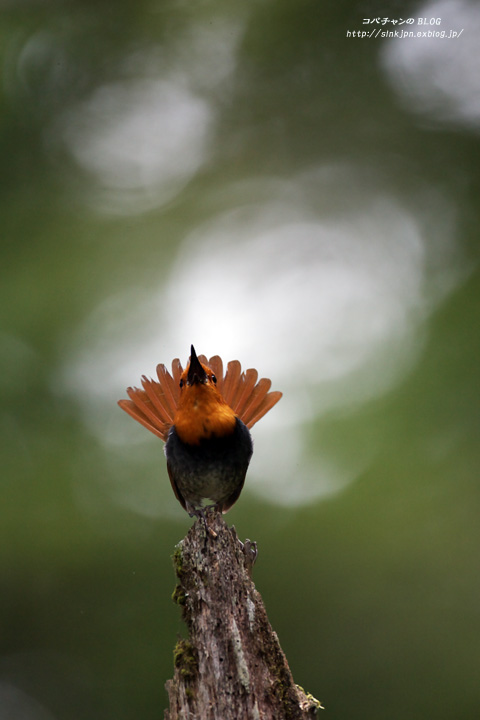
(213, 506)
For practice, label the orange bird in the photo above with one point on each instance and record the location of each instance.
(204, 417)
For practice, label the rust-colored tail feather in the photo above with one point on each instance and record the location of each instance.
(247, 383)
(264, 406)
(256, 398)
(170, 390)
(216, 363)
(177, 371)
(158, 399)
(139, 410)
(231, 380)
(154, 407)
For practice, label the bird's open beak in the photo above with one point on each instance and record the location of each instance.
(196, 373)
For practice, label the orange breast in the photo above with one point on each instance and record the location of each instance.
(201, 413)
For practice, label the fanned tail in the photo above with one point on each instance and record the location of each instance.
(155, 405)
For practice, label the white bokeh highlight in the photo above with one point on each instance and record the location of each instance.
(332, 308)
(138, 141)
(141, 141)
(439, 78)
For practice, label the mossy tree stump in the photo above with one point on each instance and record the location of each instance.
(231, 667)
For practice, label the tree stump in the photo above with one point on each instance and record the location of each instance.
(231, 667)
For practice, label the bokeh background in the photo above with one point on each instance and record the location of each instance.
(250, 178)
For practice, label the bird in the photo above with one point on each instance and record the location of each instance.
(204, 417)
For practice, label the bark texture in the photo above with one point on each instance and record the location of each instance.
(231, 667)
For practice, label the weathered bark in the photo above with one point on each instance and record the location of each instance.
(231, 667)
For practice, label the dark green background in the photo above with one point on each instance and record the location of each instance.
(374, 590)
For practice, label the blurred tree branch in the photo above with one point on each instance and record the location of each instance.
(231, 667)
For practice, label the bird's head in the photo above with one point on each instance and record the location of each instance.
(202, 411)
(197, 374)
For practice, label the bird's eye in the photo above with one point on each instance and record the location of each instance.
(181, 383)
(213, 379)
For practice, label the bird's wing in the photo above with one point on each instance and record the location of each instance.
(175, 489)
(230, 501)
